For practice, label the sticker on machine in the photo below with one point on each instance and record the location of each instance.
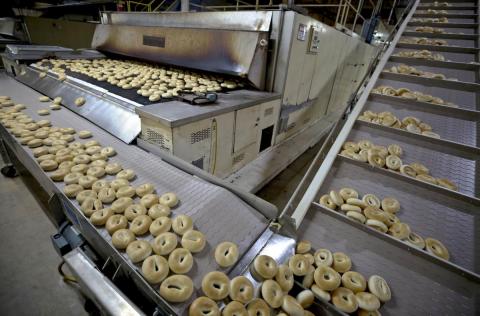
(302, 32)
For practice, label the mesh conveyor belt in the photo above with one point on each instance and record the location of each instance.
(216, 212)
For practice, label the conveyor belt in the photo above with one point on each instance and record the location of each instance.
(219, 214)
(420, 282)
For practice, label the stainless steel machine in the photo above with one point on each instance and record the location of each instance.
(290, 79)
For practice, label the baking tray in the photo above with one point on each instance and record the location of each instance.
(460, 74)
(418, 286)
(449, 56)
(234, 220)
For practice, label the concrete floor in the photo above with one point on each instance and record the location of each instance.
(30, 283)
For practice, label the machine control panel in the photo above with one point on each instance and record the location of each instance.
(314, 42)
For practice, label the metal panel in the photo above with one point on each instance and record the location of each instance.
(238, 21)
(221, 51)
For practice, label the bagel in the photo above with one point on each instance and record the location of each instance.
(116, 222)
(193, 240)
(160, 225)
(298, 264)
(436, 248)
(164, 243)
(98, 163)
(351, 208)
(71, 190)
(390, 205)
(181, 224)
(204, 306)
(308, 279)
(90, 205)
(344, 300)
(303, 246)
(367, 301)
(327, 202)
(447, 184)
(144, 189)
(87, 181)
(106, 195)
(59, 174)
(354, 281)
(118, 183)
(81, 196)
(180, 261)
(148, 200)
(399, 230)
(264, 267)
(393, 162)
(226, 254)
(415, 240)
(155, 269)
(138, 250)
(325, 295)
(377, 225)
(127, 174)
(371, 200)
(419, 168)
(395, 150)
(341, 262)
(126, 191)
(176, 288)
(234, 308)
(336, 198)
(119, 206)
(241, 289)
(272, 293)
(327, 278)
(158, 210)
(323, 257)
(356, 216)
(100, 217)
(284, 277)
(108, 151)
(305, 298)
(426, 178)
(215, 285)
(365, 144)
(113, 168)
(169, 199)
(347, 193)
(80, 169)
(379, 287)
(356, 202)
(375, 159)
(134, 210)
(291, 306)
(140, 224)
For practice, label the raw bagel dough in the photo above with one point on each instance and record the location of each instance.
(284, 277)
(164, 243)
(106, 195)
(122, 238)
(326, 201)
(108, 151)
(100, 184)
(86, 181)
(81, 196)
(379, 287)
(341, 262)
(72, 178)
(90, 205)
(118, 183)
(181, 224)
(377, 225)
(354, 281)
(149, 199)
(193, 240)
(155, 269)
(144, 189)
(351, 208)
(395, 150)
(133, 210)
(241, 289)
(80, 169)
(345, 300)
(393, 162)
(215, 285)
(84, 134)
(391, 205)
(347, 193)
(127, 174)
(321, 293)
(226, 254)
(176, 288)
(180, 261)
(371, 200)
(336, 198)
(100, 217)
(169, 199)
(140, 224)
(97, 172)
(264, 267)
(126, 191)
(158, 210)
(138, 250)
(308, 279)
(80, 101)
(204, 306)
(113, 168)
(91, 143)
(119, 206)
(356, 216)
(48, 165)
(416, 240)
(71, 190)
(160, 225)
(43, 112)
(116, 222)
(399, 230)
(59, 174)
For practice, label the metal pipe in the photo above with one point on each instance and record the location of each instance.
(359, 9)
(338, 13)
(185, 5)
(391, 11)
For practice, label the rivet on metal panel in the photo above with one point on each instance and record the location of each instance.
(263, 42)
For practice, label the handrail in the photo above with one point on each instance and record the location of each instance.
(297, 201)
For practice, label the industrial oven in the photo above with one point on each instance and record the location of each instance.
(291, 72)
